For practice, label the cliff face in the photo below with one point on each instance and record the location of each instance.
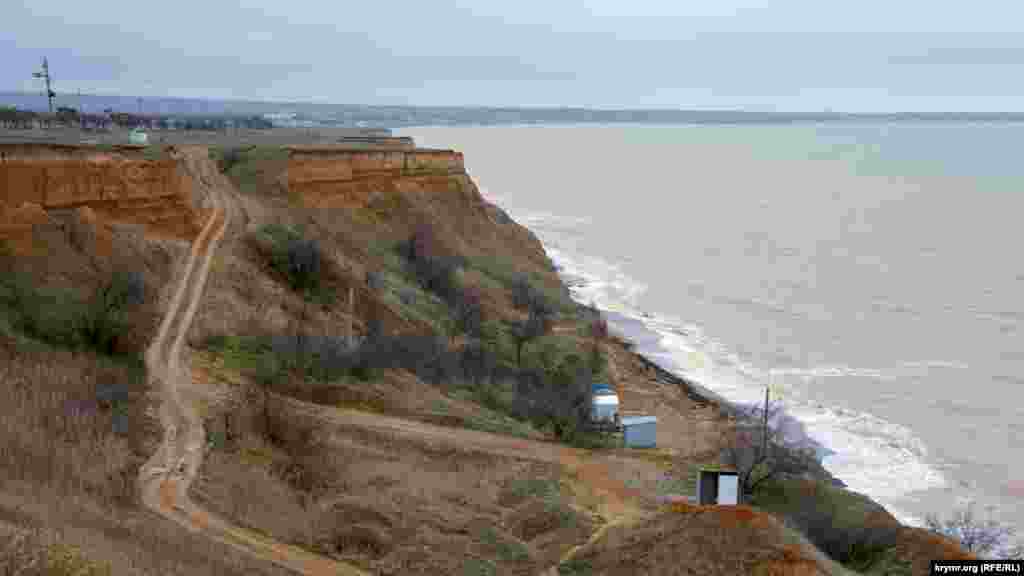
(397, 185)
(326, 176)
(117, 185)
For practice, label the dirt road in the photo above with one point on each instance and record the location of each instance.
(164, 480)
(615, 502)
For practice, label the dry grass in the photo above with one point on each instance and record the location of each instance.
(58, 429)
(41, 553)
(398, 504)
(698, 540)
(57, 433)
(127, 539)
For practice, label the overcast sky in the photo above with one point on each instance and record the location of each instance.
(786, 55)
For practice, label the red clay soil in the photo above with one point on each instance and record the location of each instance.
(117, 186)
(687, 539)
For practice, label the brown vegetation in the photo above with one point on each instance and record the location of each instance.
(698, 540)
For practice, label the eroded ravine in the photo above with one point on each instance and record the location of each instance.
(164, 479)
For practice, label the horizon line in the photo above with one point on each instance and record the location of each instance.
(546, 107)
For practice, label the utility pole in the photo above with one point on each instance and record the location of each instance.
(45, 74)
(351, 312)
(764, 427)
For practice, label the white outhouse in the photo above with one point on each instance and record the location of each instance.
(715, 486)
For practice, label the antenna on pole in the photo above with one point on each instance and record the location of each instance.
(45, 74)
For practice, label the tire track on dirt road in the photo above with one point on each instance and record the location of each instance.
(164, 479)
(618, 504)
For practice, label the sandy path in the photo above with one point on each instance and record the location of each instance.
(164, 480)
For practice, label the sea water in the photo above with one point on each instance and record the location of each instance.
(872, 273)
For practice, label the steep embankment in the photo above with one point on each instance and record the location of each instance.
(122, 184)
(397, 189)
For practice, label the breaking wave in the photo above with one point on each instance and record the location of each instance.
(882, 459)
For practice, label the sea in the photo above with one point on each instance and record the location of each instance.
(870, 274)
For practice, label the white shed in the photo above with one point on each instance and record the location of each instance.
(138, 136)
(716, 486)
(605, 407)
(639, 431)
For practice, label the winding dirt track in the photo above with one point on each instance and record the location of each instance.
(164, 480)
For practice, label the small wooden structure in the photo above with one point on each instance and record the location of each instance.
(604, 407)
(138, 136)
(718, 486)
(639, 431)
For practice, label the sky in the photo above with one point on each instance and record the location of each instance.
(783, 55)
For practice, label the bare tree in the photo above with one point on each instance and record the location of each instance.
(536, 325)
(756, 447)
(979, 536)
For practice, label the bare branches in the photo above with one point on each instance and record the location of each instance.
(980, 536)
(756, 448)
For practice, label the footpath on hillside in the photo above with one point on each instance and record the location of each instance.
(164, 480)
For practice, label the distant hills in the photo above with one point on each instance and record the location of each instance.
(310, 114)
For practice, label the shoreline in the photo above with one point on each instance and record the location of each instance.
(701, 394)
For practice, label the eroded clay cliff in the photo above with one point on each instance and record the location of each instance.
(117, 185)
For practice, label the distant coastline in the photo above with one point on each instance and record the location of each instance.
(313, 115)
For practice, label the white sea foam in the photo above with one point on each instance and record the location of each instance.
(881, 459)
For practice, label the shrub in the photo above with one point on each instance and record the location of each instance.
(304, 263)
(575, 567)
(756, 448)
(103, 316)
(536, 325)
(508, 550)
(523, 294)
(846, 526)
(469, 311)
(982, 537)
(374, 280)
(309, 467)
(526, 297)
(478, 567)
(299, 260)
(437, 270)
(61, 318)
(227, 158)
(477, 362)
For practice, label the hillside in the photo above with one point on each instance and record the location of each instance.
(363, 366)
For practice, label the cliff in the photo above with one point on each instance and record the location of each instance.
(329, 177)
(398, 188)
(119, 184)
